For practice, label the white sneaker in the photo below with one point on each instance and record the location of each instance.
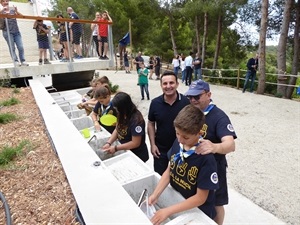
(24, 64)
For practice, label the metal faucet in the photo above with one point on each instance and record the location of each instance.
(93, 137)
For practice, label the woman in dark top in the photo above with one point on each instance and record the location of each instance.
(103, 107)
(151, 64)
(130, 129)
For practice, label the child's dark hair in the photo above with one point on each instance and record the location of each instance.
(190, 120)
(125, 107)
(103, 80)
(102, 92)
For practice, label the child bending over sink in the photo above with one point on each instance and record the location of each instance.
(193, 176)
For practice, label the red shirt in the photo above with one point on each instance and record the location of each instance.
(103, 28)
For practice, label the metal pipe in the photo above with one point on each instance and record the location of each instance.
(6, 208)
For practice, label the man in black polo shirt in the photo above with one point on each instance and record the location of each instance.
(162, 112)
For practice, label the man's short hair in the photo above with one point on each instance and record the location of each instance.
(168, 73)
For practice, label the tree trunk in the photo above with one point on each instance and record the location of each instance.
(172, 36)
(262, 47)
(197, 34)
(296, 56)
(281, 50)
(204, 39)
(218, 44)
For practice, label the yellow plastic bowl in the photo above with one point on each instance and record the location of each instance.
(108, 120)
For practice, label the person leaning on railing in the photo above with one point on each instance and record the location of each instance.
(63, 34)
(103, 34)
(76, 31)
(43, 42)
(94, 28)
(12, 33)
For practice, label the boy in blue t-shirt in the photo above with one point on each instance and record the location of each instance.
(42, 38)
(193, 176)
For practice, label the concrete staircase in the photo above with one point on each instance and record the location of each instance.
(28, 35)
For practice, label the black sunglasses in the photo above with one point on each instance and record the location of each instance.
(196, 97)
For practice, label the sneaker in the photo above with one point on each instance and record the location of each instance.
(40, 61)
(46, 61)
(101, 57)
(79, 57)
(24, 64)
(105, 57)
(142, 99)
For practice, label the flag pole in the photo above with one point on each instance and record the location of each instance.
(130, 37)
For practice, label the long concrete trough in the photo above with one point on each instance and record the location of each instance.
(106, 188)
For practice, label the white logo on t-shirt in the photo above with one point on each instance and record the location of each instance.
(138, 129)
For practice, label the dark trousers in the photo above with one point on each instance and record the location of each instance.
(250, 75)
(188, 75)
(95, 39)
(161, 163)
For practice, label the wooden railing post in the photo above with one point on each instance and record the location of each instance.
(238, 79)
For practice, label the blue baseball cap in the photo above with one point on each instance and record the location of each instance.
(197, 88)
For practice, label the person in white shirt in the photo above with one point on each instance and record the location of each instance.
(182, 67)
(94, 28)
(189, 69)
(175, 63)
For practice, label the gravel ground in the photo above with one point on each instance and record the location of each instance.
(265, 166)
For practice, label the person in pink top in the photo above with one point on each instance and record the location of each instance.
(103, 35)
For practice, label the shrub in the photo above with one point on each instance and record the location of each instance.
(7, 154)
(11, 101)
(7, 117)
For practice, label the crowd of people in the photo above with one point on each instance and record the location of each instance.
(189, 138)
(69, 35)
(189, 135)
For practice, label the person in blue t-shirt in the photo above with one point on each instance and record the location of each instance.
(43, 42)
(218, 138)
(193, 176)
(103, 107)
(76, 31)
(130, 129)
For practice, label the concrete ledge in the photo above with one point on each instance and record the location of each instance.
(100, 197)
(84, 64)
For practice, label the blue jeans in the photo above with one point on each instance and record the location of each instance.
(188, 75)
(183, 76)
(16, 39)
(198, 74)
(176, 70)
(250, 75)
(144, 87)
